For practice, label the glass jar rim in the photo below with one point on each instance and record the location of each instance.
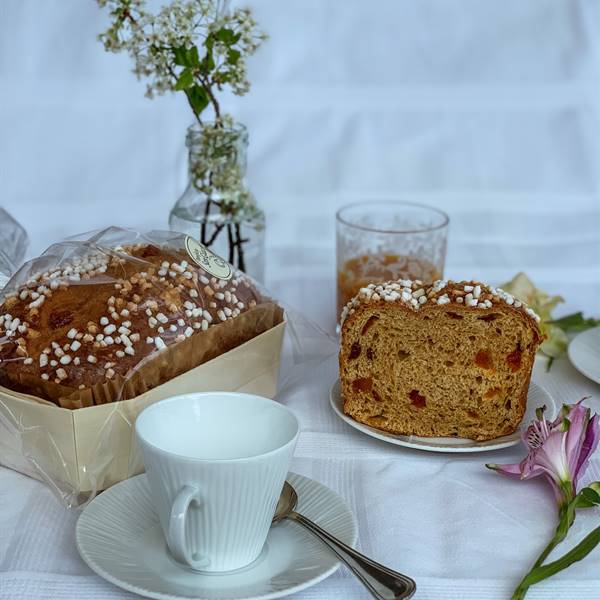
(445, 219)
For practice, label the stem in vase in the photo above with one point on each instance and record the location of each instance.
(239, 242)
(231, 243)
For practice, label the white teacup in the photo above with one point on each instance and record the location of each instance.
(216, 463)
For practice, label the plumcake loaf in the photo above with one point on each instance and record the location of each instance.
(110, 324)
(449, 359)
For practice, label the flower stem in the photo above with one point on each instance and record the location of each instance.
(567, 517)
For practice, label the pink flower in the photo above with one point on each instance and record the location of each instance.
(559, 450)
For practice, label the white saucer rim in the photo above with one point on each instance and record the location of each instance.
(574, 345)
(161, 596)
(335, 399)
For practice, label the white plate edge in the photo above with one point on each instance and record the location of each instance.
(574, 343)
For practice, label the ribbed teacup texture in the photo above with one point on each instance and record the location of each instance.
(238, 500)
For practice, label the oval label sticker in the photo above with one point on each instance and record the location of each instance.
(214, 265)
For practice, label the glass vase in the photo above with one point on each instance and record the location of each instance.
(216, 206)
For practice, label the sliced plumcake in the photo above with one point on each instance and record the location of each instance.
(448, 359)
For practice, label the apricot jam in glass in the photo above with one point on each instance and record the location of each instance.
(385, 240)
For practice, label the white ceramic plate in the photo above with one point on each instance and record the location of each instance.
(584, 353)
(118, 535)
(536, 397)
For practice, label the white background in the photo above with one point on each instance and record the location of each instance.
(486, 109)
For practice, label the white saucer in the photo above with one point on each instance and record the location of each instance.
(119, 537)
(536, 397)
(584, 353)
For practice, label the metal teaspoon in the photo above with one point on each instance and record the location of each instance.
(383, 583)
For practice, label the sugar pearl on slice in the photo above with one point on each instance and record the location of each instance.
(204, 325)
(149, 340)
(61, 374)
(75, 345)
(159, 343)
(92, 359)
(28, 361)
(103, 320)
(72, 333)
(162, 318)
(110, 373)
(129, 350)
(110, 329)
(45, 376)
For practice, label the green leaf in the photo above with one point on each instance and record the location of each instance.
(576, 554)
(186, 57)
(575, 322)
(181, 57)
(227, 36)
(233, 56)
(198, 98)
(185, 80)
(208, 62)
(591, 495)
(192, 56)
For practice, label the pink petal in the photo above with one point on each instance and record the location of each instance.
(578, 418)
(530, 467)
(588, 447)
(513, 471)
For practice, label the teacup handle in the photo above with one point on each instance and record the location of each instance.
(176, 538)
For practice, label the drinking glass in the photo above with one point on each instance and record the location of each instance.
(382, 240)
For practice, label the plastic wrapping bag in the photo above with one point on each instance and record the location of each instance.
(102, 325)
(13, 245)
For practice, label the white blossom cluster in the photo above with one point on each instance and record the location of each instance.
(151, 38)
